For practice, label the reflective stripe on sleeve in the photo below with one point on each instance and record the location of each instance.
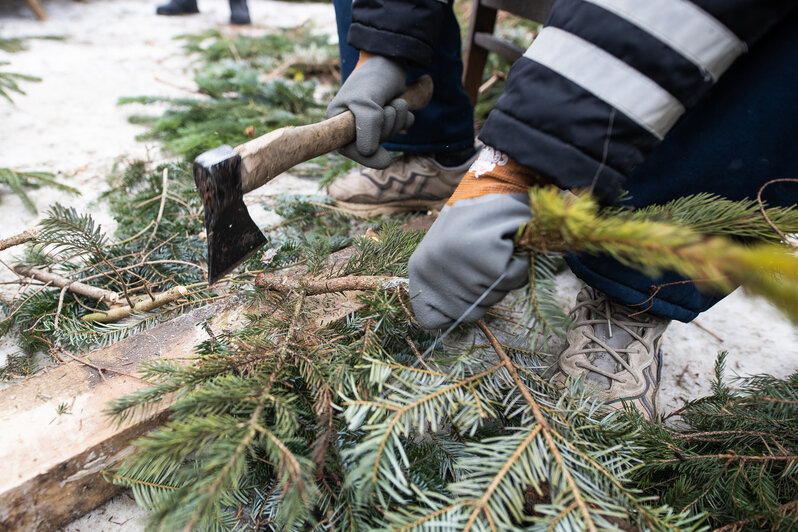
(608, 78)
(683, 26)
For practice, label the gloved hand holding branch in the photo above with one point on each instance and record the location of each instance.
(471, 244)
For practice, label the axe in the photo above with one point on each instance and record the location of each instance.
(224, 174)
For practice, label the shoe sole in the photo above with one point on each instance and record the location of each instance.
(367, 210)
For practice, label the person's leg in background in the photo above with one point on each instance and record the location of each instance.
(736, 140)
(436, 151)
(178, 7)
(239, 12)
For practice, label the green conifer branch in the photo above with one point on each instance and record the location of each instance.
(8, 82)
(734, 455)
(574, 223)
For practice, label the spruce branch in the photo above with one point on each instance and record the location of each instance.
(790, 508)
(574, 223)
(579, 502)
(733, 455)
(290, 466)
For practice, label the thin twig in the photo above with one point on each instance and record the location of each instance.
(79, 302)
(416, 352)
(176, 86)
(150, 263)
(132, 238)
(60, 306)
(77, 287)
(765, 214)
(713, 335)
(16, 240)
(164, 189)
(790, 507)
(58, 352)
(325, 286)
(101, 369)
(116, 314)
(703, 435)
(494, 78)
(729, 457)
(234, 51)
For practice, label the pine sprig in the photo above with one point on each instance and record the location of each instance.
(236, 100)
(64, 230)
(18, 181)
(271, 428)
(542, 306)
(8, 82)
(574, 223)
(735, 457)
(710, 214)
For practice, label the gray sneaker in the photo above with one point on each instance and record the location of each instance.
(410, 183)
(616, 349)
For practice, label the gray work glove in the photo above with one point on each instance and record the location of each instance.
(466, 250)
(370, 92)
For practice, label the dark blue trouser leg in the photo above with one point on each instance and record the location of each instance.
(447, 123)
(741, 136)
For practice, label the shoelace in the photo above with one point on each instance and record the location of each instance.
(594, 308)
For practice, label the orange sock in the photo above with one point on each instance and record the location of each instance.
(495, 172)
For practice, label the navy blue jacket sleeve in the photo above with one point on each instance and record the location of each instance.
(406, 30)
(605, 80)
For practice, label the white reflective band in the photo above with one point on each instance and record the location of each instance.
(608, 78)
(685, 27)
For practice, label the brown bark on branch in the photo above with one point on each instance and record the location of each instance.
(77, 287)
(16, 240)
(312, 286)
(116, 314)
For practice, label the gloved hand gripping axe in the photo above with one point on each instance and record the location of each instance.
(224, 174)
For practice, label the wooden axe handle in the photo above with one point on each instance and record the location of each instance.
(266, 157)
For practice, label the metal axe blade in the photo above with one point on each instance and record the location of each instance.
(232, 235)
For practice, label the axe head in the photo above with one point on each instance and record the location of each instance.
(232, 235)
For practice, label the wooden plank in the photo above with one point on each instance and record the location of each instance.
(480, 38)
(483, 20)
(52, 462)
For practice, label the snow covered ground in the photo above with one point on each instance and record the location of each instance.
(70, 124)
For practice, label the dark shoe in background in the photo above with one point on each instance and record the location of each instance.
(239, 12)
(178, 7)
